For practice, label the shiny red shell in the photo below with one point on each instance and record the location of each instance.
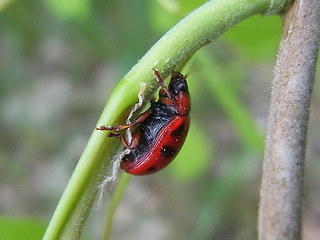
(167, 145)
(158, 133)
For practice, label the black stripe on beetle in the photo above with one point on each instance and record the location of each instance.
(173, 104)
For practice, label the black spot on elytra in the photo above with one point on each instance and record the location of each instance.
(178, 131)
(128, 157)
(151, 169)
(167, 151)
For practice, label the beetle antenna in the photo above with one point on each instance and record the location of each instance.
(161, 82)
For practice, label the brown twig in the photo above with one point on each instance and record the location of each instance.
(281, 193)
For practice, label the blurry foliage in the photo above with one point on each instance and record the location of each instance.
(166, 13)
(194, 157)
(255, 38)
(59, 61)
(17, 229)
(77, 9)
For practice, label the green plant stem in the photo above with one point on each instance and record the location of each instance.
(123, 182)
(170, 52)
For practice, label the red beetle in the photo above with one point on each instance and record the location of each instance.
(160, 131)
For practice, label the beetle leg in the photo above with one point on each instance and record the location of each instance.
(143, 116)
(134, 141)
(139, 119)
(161, 82)
(115, 128)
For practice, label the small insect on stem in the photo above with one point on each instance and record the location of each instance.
(159, 133)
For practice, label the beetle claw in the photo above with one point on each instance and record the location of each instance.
(102, 127)
(113, 134)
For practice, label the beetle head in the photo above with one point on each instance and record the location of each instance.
(178, 84)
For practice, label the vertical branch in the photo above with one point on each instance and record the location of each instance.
(281, 193)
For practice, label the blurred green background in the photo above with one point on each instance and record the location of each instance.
(59, 61)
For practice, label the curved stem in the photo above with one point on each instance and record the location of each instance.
(115, 203)
(170, 52)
